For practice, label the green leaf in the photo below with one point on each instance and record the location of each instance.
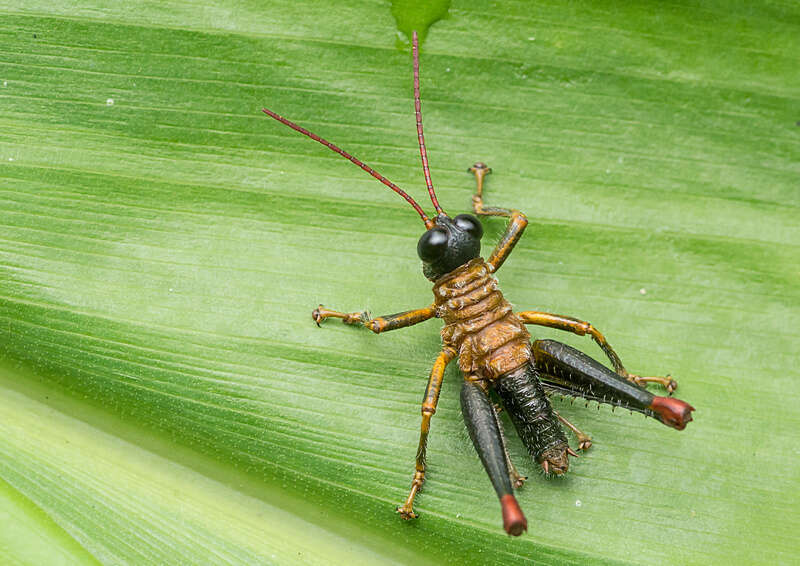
(164, 394)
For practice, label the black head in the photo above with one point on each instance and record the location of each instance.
(451, 243)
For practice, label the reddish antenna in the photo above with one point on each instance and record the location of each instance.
(428, 222)
(418, 109)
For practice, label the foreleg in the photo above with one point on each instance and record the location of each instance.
(516, 225)
(379, 324)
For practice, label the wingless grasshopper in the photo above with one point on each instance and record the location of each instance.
(494, 348)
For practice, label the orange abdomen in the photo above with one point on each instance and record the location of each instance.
(479, 323)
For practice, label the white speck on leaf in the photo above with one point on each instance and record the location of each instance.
(643, 291)
(109, 102)
(531, 38)
(578, 503)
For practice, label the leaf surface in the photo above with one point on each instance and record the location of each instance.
(165, 394)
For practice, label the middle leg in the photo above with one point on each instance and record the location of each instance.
(583, 328)
(428, 409)
(584, 440)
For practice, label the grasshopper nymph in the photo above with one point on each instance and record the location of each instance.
(494, 348)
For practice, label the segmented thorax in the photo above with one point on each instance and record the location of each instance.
(479, 323)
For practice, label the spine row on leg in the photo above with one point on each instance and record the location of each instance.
(571, 372)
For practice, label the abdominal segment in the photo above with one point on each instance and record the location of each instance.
(494, 348)
(533, 417)
(479, 323)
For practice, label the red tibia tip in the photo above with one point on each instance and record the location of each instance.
(672, 412)
(514, 522)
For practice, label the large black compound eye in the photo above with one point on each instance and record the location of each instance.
(432, 244)
(469, 224)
